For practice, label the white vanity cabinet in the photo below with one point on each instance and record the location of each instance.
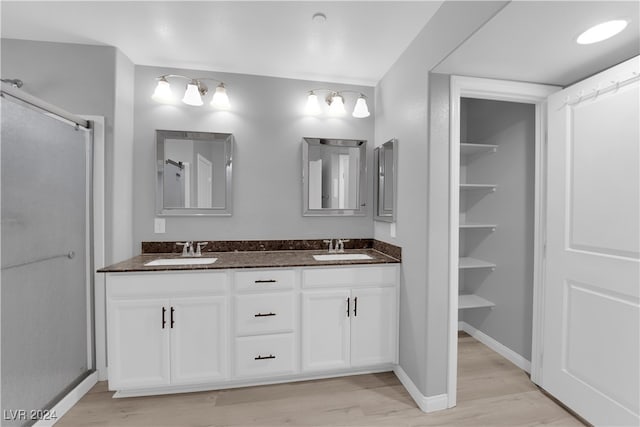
(175, 331)
(166, 328)
(349, 317)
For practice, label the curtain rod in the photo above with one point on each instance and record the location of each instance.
(7, 89)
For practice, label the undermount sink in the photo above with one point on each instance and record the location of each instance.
(181, 261)
(341, 257)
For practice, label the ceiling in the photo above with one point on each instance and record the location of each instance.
(534, 41)
(357, 44)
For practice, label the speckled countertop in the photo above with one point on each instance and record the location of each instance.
(248, 259)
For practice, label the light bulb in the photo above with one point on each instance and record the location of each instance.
(220, 98)
(361, 110)
(192, 94)
(313, 107)
(336, 108)
(163, 92)
(601, 32)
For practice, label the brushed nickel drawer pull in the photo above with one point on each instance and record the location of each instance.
(258, 357)
(265, 281)
(264, 314)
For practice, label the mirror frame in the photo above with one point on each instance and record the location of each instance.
(362, 185)
(161, 136)
(379, 214)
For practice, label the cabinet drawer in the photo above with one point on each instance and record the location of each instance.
(264, 279)
(349, 276)
(264, 313)
(265, 355)
(165, 283)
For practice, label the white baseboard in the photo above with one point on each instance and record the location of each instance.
(67, 402)
(425, 403)
(494, 345)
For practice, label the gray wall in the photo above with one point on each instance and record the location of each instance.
(403, 111)
(512, 127)
(86, 80)
(268, 122)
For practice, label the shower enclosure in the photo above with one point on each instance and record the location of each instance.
(46, 315)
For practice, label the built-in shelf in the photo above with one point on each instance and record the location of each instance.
(469, 149)
(491, 187)
(472, 301)
(472, 226)
(468, 263)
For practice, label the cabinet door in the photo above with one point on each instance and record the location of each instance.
(325, 330)
(198, 339)
(138, 343)
(373, 326)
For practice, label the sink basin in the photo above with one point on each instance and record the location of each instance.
(340, 257)
(181, 261)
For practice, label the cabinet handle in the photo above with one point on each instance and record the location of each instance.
(164, 321)
(265, 281)
(355, 307)
(258, 357)
(172, 321)
(348, 307)
(264, 314)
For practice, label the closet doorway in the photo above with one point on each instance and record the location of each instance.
(496, 223)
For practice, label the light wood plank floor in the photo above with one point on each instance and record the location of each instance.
(491, 392)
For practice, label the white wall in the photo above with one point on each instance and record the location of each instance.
(122, 172)
(268, 122)
(403, 111)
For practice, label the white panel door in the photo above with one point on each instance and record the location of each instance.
(591, 291)
(198, 339)
(138, 337)
(325, 329)
(373, 326)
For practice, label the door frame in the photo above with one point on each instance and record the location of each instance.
(510, 91)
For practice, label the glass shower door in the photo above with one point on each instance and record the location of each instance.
(46, 186)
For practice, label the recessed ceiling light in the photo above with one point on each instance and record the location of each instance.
(601, 32)
(318, 18)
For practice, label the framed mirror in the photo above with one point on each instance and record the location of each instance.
(385, 159)
(334, 177)
(193, 173)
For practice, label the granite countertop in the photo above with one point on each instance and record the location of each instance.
(247, 259)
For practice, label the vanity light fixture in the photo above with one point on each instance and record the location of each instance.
(194, 91)
(602, 31)
(335, 100)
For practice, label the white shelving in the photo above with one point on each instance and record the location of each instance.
(468, 152)
(472, 226)
(466, 263)
(470, 149)
(491, 187)
(472, 301)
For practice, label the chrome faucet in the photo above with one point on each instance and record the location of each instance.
(331, 248)
(200, 246)
(187, 248)
(340, 245)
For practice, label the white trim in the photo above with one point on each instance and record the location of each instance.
(494, 345)
(67, 402)
(510, 91)
(425, 403)
(99, 307)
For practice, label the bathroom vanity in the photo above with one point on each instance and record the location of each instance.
(250, 317)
